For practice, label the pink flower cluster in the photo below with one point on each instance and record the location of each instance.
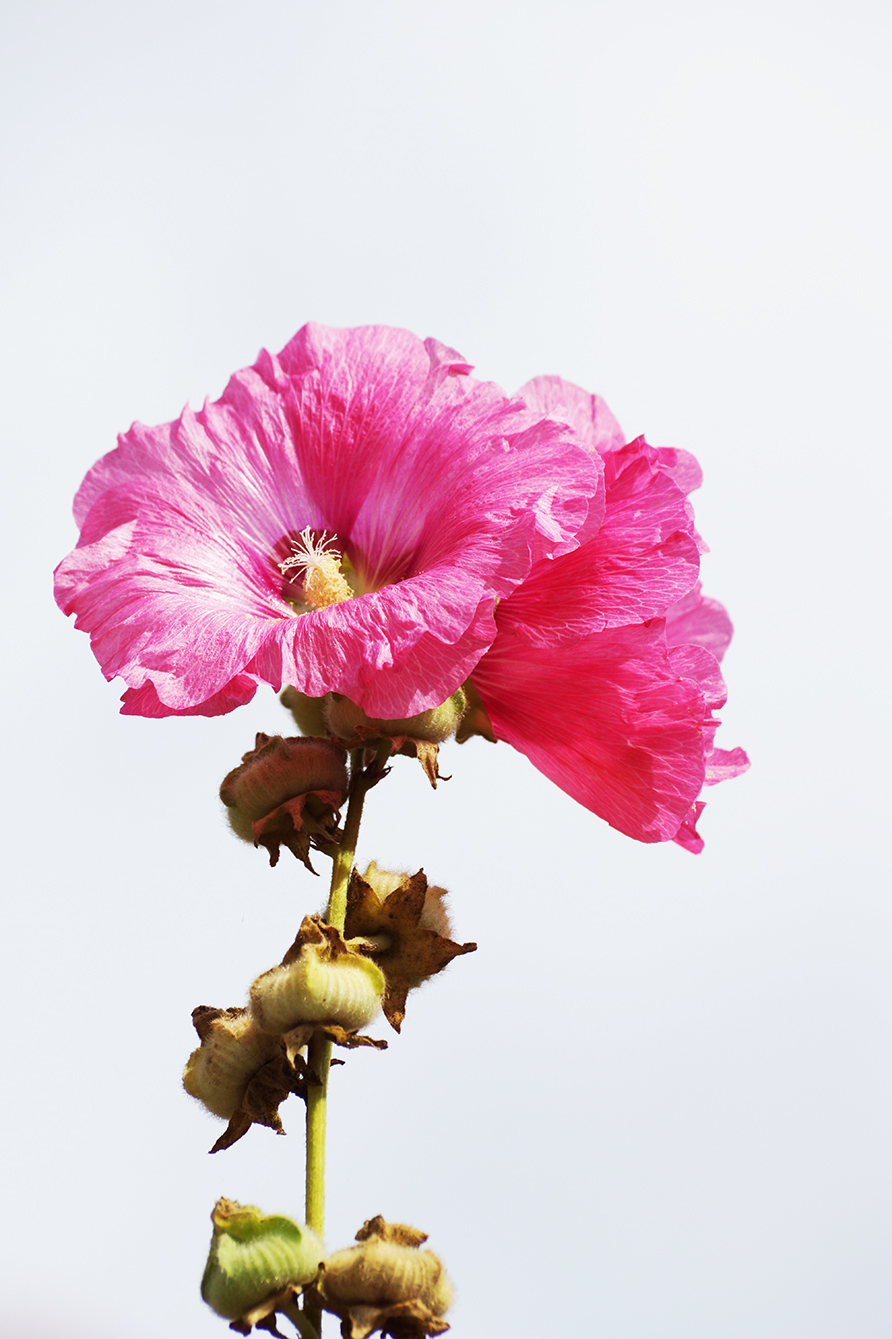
(360, 515)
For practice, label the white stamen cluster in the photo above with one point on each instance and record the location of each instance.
(324, 583)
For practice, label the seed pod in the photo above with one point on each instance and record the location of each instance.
(254, 1257)
(308, 712)
(434, 915)
(232, 1050)
(323, 983)
(277, 770)
(382, 1271)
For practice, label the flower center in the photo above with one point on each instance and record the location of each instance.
(323, 581)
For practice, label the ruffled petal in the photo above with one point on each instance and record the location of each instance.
(687, 835)
(146, 702)
(700, 621)
(608, 719)
(588, 414)
(643, 559)
(439, 490)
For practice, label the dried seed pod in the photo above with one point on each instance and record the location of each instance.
(254, 1257)
(276, 770)
(232, 1050)
(434, 914)
(386, 1269)
(319, 981)
(403, 927)
(287, 792)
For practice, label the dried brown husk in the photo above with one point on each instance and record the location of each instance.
(396, 938)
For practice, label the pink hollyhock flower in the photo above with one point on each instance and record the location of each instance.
(344, 518)
(605, 668)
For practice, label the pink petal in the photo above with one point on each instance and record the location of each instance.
(608, 719)
(146, 702)
(440, 490)
(687, 835)
(725, 764)
(682, 468)
(588, 414)
(700, 621)
(641, 561)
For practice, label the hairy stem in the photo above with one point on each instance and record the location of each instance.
(319, 1055)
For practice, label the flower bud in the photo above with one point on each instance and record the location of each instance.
(232, 1050)
(308, 712)
(319, 981)
(385, 1269)
(476, 718)
(347, 721)
(254, 1257)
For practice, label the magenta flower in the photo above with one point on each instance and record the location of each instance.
(344, 518)
(605, 668)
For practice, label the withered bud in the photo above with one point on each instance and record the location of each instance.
(386, 1268)
(347, 721)
(253, 1260)
(319, 980)
(286, 791)
(232, 1050)
(308, 712)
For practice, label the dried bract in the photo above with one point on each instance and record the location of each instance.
(405, 930)
(287, 792)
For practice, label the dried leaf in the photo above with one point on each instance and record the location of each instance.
(287, 1073)
(264, 1315)
(399, 1233)
(401, 1320)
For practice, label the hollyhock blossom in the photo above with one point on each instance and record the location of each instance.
(605, 668)
(344, 518)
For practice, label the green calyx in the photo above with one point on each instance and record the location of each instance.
(346, 720)
(254, 1257)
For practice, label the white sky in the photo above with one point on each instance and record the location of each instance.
(656, 1103)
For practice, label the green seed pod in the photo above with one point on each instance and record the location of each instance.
(254, 1257)
(318, 987)
(232, 1050)
(345, 720)
(380, 1273)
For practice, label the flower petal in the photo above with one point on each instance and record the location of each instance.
(700, 621)
(608, 719)
(642, 560)
(593, 421)
(439, 490)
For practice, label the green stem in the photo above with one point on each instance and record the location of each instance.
(305, 1327)
(319, 1054)
(343, 861)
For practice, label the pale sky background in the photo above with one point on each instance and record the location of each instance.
(656, 1103)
